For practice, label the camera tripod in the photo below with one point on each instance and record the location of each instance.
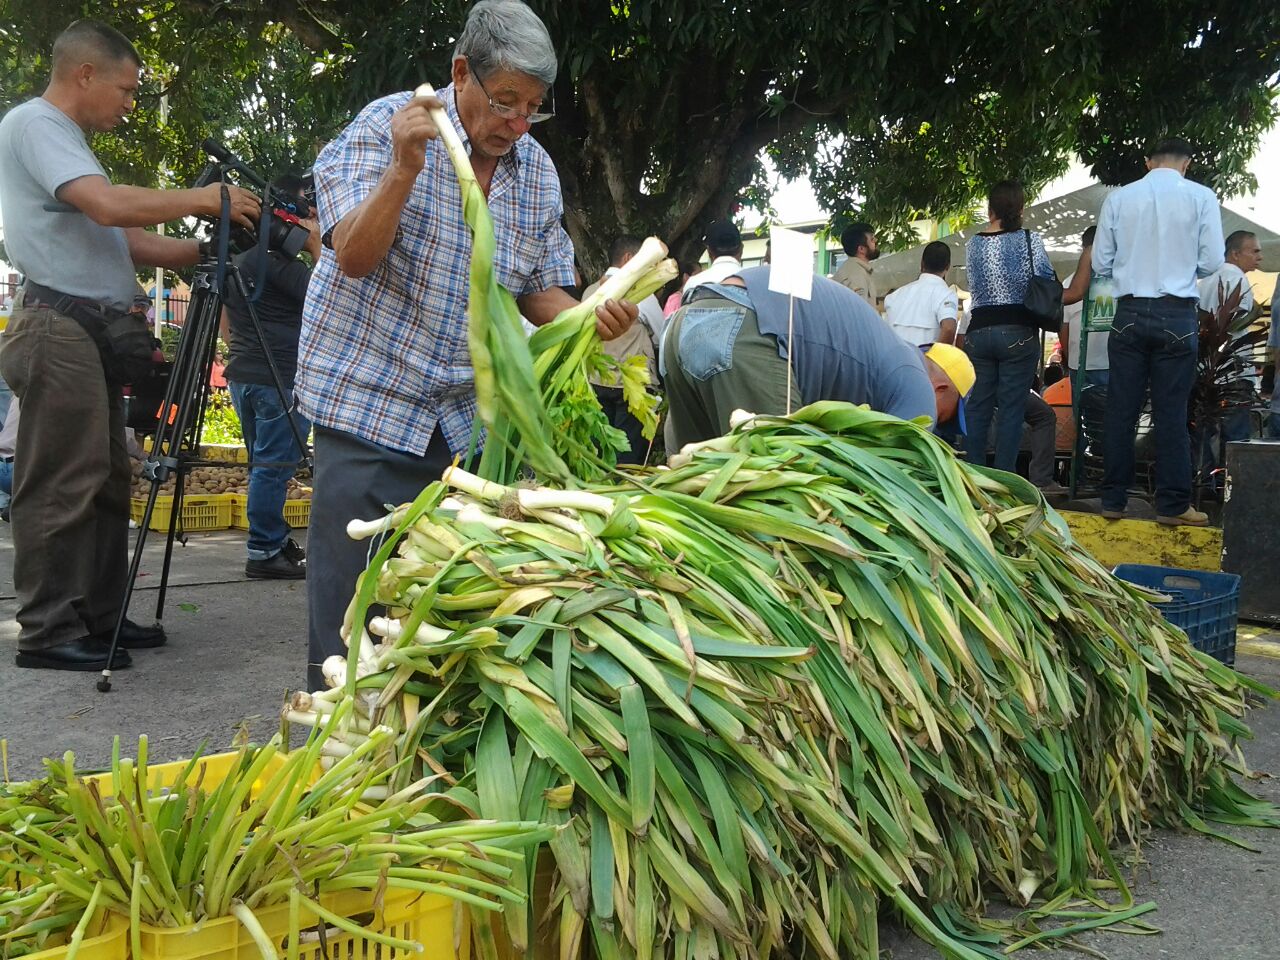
(176, 445)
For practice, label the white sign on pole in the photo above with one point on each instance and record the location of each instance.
(791, 262)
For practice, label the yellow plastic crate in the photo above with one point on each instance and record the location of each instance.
(224, 452)
(200, 513)
(422, 918)
(162, 776)
(239, 514)
(107, 939)
(297, 513)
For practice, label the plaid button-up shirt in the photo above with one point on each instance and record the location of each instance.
(385, 356)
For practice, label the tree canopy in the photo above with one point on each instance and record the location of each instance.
(663, 108)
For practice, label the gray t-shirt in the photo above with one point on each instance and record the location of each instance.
(842, 350)
(41, 148)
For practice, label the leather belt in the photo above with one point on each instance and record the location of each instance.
(62, 302)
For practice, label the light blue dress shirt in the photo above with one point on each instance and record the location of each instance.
(1156, 236)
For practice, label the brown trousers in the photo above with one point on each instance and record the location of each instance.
(70, 509)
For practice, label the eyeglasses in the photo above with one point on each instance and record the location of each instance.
(510, 113)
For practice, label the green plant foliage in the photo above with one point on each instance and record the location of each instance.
(894, 111)
(221, 425)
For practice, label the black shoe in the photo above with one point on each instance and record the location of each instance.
(86, 653)
(134, 636)
(279, 567)
(293, 551)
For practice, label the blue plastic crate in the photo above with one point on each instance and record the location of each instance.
(1205, 605)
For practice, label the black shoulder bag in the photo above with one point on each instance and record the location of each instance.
(1043, 298)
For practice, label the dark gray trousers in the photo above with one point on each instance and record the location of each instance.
(1042, 426)
(355, 479)
(70, 510)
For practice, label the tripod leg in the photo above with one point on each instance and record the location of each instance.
(104, 684)
(179, 486)
(180, 416)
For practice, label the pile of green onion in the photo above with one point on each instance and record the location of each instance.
(811, 671)
(275, 830)
(819, 668)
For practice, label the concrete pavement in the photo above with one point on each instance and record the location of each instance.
(236, 646)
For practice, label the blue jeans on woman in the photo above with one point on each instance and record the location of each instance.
(1004, 358)
(268, 438)
(1153, 342)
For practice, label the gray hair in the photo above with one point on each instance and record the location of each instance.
(507, 35)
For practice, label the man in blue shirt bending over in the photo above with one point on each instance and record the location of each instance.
(1155, 237)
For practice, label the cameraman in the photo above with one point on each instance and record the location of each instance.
(70, 510)
(273, 555)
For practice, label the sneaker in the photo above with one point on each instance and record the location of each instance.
(1190, 517)
(1113, 514)
(293, 551)
(1053, 490)
(279, 567)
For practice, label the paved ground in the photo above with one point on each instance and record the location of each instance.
(236, 646)
(1216, 901)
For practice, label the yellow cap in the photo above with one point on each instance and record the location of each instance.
(955, 364)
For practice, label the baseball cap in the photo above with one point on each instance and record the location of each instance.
(955, 363)
(723, 235)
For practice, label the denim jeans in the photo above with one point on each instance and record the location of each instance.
(265, 425)
(1092, 378)
(6, 482)
(1004, 359)
(1153, 343)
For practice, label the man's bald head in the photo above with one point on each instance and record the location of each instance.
(92, 41)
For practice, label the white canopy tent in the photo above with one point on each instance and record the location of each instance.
(1060, 221)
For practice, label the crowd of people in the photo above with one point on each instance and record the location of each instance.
(369, 334)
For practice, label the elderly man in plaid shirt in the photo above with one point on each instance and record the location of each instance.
(383, 367)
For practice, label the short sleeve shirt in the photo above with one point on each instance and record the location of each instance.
(916, 311)
(840, 349)
(41, 150)
(385, 356)
(1221, 284)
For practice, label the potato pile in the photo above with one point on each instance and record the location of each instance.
(202, 481)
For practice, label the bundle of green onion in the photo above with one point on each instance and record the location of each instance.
(535, 395)
(273, 830)
(818, 668)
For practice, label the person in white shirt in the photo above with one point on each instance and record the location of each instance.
(926, 309)
(724, 250)
(1243, 255)
(1155, 237)
(641, 339)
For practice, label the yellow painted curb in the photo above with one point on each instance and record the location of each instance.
(1259, 648)
(1144, 541)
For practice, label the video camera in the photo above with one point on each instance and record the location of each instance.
(286, 207)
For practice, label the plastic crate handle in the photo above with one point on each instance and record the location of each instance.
(1183, 583)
